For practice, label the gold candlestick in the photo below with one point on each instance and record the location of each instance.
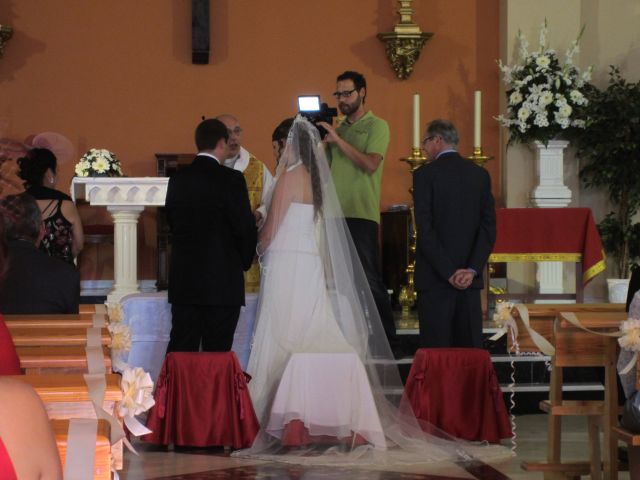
(478, 158)
(408, 295)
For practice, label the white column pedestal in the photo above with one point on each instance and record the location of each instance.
(551, 191)
(125, 223)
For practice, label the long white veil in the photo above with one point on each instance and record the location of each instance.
(345, 300)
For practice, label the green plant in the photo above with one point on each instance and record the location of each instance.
(610, 148)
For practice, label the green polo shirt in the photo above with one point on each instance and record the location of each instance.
(358, 191)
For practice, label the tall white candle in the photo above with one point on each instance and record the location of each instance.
(476, 119)
(416, 121)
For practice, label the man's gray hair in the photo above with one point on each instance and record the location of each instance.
(444, 129)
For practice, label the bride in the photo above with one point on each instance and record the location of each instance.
(315, 300)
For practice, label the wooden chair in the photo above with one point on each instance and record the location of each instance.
(575, 347)
(102, 461)
(621, 433)
(542, 317)
(57, 360)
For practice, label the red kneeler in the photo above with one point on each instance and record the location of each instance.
(202, 400)
(456, 390)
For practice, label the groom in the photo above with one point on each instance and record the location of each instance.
(213, 240)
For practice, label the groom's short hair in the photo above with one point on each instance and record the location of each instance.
(209, 132)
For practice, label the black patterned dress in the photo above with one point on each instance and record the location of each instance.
(58, 237)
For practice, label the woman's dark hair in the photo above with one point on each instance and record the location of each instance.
(308, 157)
(4, 251)
(34, 165)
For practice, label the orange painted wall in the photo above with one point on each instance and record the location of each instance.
(118, 75)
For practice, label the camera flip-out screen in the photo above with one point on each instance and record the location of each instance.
(309, 103)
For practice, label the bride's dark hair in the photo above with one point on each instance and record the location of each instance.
(307, 155)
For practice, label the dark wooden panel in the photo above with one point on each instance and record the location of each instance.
(395, 228)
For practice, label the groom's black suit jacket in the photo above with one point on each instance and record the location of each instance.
(213, 234)
(455, 218)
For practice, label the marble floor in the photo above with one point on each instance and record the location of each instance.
(210, 464)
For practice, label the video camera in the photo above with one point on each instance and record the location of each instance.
(309, 106)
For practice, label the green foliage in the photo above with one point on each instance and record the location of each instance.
(610, 148)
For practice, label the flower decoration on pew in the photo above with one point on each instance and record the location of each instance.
(114, 310)
(630, 339)
(137, 389)
(545, 98)
(120, 337)
(504, 320)
(98, 162)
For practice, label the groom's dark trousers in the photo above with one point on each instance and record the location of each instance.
(213, 240)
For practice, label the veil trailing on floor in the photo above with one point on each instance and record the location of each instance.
(327, 307)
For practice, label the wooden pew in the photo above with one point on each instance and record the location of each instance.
(39, 321)
(53, 336)
(57, 360)
(92, 308)
(102, 462)
(575, 347)
(542, 317)
(67, 396)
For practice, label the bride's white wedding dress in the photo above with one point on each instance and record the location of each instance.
(295, 313)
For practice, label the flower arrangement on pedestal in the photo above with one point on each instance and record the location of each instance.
(98, 163)
(545, 97)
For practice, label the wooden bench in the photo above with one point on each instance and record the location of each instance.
(54, 336)
(39, 321)
(67, 396)
(57, 360)
(92, 308)
(102, 461)
(542, 317)
(575, 347)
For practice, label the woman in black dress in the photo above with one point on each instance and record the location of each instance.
(63, 236)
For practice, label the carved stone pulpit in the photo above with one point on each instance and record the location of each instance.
(125, 198)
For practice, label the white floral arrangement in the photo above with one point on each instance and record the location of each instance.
(545, 97)
(98, 162)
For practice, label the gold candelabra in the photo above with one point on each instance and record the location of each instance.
(408, 295)
(404, 44)
(478, 158)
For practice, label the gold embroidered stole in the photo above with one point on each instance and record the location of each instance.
(253, 175)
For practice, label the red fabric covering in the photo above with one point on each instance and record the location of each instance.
(202, 400)
(9, 361)
(295, 434)
(456, 390)
(7, 472)
(539, 231)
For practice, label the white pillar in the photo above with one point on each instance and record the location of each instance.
(551, 191)
(125, 222)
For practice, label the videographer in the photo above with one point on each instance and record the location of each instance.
(356, 150)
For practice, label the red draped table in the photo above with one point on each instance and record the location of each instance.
(202, 400)
(550, 235)
(456, 390)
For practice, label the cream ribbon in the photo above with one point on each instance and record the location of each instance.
(79, 461)
(99, 320)
(542, 343)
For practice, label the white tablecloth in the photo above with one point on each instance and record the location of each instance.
(330, 394)
(148, 315)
